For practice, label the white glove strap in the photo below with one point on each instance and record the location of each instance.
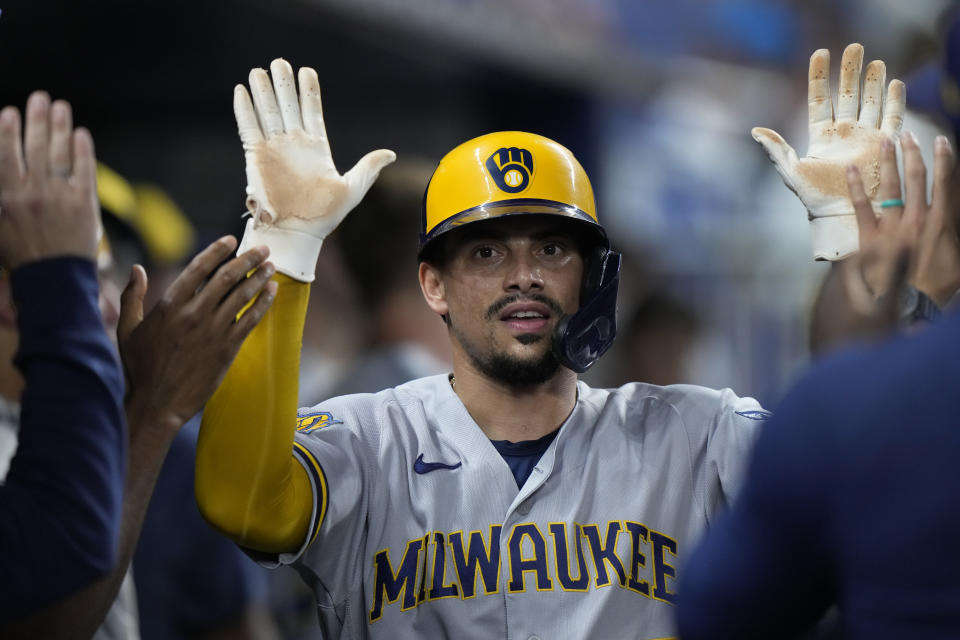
(293, 253)
(834, 237)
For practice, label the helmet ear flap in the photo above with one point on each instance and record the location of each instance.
(580, 339)
(594, 262)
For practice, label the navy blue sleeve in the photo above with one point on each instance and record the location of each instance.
(761, 571)
(61, 504)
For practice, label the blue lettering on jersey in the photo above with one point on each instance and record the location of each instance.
(661, 569)
(438, 590)
(391, 584)
(520, 565)
(638, 535)
(313, 421)
(562, 556)
(437, 565)
(605, 552)
(476, 557)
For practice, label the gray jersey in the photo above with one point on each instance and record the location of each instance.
(421, 531)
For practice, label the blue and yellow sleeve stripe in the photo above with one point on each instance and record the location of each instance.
(319, 480)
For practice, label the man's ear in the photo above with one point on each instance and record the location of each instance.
(8, 314)
(431, 285)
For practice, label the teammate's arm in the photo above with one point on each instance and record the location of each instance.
(173, 359)
(60, 503)
(248, 483)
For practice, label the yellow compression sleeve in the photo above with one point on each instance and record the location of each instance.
(248, 484)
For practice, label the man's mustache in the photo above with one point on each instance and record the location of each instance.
(501, 304)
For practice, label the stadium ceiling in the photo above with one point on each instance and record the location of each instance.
(577, 44)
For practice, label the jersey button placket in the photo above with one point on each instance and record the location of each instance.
(524, 507)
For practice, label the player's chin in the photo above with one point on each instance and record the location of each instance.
(527, 346)
(528, 339)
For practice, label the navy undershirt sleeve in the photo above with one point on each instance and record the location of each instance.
(60, 507)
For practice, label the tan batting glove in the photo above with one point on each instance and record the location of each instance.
(852, 137)
(294, 192)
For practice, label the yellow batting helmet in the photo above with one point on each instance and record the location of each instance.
(118, 201)
(507, 173)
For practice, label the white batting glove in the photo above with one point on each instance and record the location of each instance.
(294, 192)
(851, 137)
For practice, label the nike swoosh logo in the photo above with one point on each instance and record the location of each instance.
(755, 414)
(422, 467)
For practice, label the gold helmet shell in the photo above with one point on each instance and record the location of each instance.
(507, 173)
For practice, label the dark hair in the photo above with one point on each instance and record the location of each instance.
(659, 309)
(126, 244)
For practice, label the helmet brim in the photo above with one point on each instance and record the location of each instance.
(517, 207)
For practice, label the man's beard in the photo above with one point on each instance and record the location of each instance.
(514, 372)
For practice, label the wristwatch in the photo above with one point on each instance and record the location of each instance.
(916, 306)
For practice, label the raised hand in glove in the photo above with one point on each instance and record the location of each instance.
(294, 192)
(850, 136)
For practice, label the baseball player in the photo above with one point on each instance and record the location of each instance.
(506, 499)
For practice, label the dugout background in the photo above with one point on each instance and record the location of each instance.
(655, 98)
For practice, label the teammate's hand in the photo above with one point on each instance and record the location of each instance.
(48, 185)
(937, 268)
(294, 191)
(846, 310)
(176, 357)
(852, 136)
(925, 230)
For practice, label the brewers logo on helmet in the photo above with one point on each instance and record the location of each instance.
(507, 173)
(511, 168)
(512, 173)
